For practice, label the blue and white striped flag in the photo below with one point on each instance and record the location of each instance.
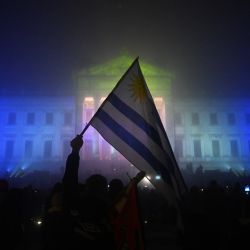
(129, 121)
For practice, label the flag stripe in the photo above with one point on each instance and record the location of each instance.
(140, 122)
(124, 148)
(136, 118)
(134, 143)
(140, 134)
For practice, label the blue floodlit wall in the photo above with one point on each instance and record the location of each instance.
(213, 132)
(35, 132)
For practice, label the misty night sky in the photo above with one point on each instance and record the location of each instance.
(205, 43)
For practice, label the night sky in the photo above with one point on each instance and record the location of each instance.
(206, 44)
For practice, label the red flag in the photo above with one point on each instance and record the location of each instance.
(127, 225)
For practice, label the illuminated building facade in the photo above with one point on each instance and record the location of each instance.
(213, 132)
(35, 131)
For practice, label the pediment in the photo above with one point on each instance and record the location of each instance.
(118, 66)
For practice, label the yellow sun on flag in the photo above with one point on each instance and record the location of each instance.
(137, 87)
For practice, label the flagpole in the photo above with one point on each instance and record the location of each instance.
(86, 127)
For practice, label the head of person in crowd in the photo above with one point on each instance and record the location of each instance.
(4, 185)
(116, 187)
(97, 184)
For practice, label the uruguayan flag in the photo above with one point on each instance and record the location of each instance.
(129, 121)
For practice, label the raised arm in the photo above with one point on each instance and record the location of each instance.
(70, 178)
(119, 205)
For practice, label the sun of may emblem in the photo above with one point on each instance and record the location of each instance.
(137, 87)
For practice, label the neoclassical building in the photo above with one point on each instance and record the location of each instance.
(35, 131)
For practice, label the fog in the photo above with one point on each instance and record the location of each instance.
(205, 44)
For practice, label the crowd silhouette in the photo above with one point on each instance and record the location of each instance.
(80, 215)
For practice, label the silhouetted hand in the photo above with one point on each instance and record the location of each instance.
(76, 143)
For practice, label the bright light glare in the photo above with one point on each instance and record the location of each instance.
(146, 180)
(38, 222)
(89, 99)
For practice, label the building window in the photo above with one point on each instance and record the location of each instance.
(9, 149)
(197, 148)
(47, 152)
(49, 118)
(12, 119)
(234, 148)
(213, 119)
(28, 148)
(104, 149)
(160, 106)
(88, 149)
(179, 148)
(195, 119)
(216, 148)
(88, 108)
(68, 119)
(177, 119)
(248, 119)
(88, 115)
(231, 119)
(30, 118)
